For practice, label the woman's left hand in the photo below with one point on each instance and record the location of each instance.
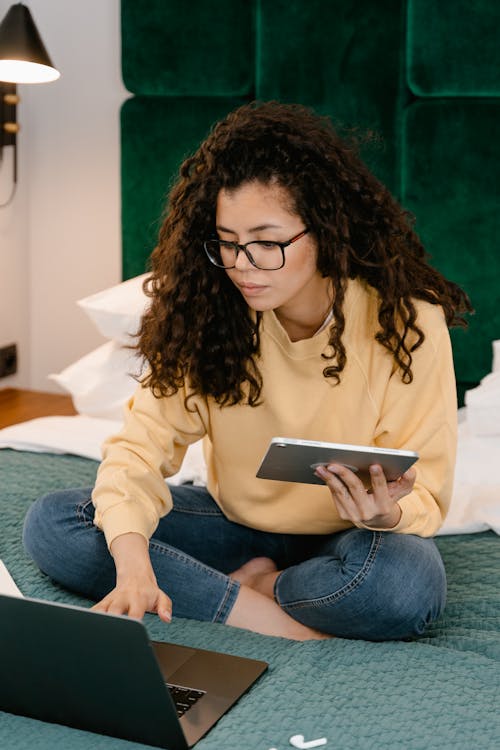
(379, 507)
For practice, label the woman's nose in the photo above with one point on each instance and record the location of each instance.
(242, 262)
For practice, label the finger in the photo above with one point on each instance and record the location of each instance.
(383, 501)
(101, 606)
(405, 480)
(408, 478)
(118, 606)
(403, 486)
(136, 611)
(333, 482)
(367, 505)
(379, 482)
(346, 505)
(348, 478)
(164, 607)
(322, 472)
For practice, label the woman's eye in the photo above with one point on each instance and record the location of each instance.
(267, 245)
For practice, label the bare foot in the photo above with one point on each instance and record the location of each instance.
(254, 567)
(255, 608)
(259, 574)
(258, 613)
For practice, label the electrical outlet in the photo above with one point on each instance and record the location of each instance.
(8, 360)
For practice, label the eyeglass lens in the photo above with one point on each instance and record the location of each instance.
(265, 255)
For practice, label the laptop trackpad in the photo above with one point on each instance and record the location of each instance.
(170, 657)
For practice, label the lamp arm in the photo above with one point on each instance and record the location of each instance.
(9, 130)
(14, 181)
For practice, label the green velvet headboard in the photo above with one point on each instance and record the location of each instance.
(424, 76)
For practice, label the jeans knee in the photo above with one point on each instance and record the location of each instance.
(34, 527)
(412, 596)
(410, 615)
(378, 586)
(48, 525)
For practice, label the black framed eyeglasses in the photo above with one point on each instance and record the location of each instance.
(263, 254)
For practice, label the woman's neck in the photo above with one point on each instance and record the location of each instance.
(305, 323)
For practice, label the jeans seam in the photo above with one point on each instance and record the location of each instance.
(223, 608)
(223, 611)
(182, 557)
(345, 590)
(80, 513)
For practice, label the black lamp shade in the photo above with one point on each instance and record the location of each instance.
(20, 41)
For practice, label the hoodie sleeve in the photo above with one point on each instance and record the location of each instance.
(131, 494)
(422, 416)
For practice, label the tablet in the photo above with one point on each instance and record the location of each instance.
(289, 460)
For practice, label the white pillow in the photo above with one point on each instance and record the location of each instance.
(483, 402)
(483, 406)
(117, 311)
(101, 382)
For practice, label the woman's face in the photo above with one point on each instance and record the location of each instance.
(258, 211)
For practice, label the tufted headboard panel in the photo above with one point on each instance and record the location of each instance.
(424, 77)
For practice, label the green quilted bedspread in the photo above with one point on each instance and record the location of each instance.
(440, 691)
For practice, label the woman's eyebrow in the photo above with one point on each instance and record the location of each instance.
(260, 228)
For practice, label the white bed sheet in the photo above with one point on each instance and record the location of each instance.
(83, 436)
(476, 496)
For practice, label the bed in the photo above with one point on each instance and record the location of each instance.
(441, 690)
(438, 691)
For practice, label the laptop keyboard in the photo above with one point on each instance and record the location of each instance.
(184, 698)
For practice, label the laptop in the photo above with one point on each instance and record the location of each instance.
(101, 673)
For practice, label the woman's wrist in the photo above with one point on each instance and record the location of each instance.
(395, 517)
(131, 556)
(388, 521)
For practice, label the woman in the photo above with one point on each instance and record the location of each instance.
(289, 296)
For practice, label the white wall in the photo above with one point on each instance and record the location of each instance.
(60, 239)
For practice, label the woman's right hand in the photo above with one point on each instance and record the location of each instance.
(134, 597)
(136, 590)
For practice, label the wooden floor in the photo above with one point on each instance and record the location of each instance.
(18, 405)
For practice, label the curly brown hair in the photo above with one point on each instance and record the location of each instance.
(198, 325)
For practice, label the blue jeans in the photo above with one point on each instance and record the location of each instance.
(355, 584)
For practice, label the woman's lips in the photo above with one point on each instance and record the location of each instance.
(251, 289)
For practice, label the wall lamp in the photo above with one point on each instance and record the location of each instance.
(23, 59)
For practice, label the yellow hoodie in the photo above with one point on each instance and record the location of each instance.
(370, 406)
